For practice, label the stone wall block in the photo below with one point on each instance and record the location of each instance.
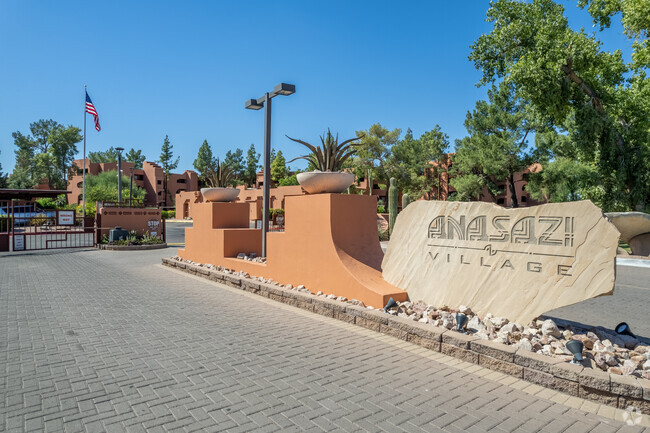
(627, 386)
(600, 396)
(375, 316)
(432, 344)
(500, 365)
(393, 332)
(457, 352)
(427, 331)
(535, 361)
(457, 339)
(567, 371)
(595, 379)
(493, 350)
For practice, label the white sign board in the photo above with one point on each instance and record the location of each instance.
(65, 217)
(19, 242)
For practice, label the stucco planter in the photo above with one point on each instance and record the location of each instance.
(318, 182)
(219, 194)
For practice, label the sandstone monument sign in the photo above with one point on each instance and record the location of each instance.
(515, 263)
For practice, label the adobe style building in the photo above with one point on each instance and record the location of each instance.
(150, 177)
(440, 169)
(185, 199)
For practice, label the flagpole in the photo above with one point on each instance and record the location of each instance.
(83, 194)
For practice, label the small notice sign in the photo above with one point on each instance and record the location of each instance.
(19, 242)
(65, 217)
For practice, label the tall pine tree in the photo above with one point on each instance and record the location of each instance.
(167, 162)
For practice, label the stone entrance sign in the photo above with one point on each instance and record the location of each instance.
(514, 263)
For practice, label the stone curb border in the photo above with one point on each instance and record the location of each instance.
(130, 247)
(599, 386)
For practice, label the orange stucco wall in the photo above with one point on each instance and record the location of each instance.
(330, 244)
(129, 219)
(253, 196)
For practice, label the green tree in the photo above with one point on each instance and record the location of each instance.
(41, 130)
(46, 155)
(583, 91)
(496, 148)
(103, 187)
(63, 148)
(3, 178)
(279, 167)
(252, 165)
(563, 179)
(409, 161)
(205, 163)
(23, 173)
(235, 160)
(109, 155)
(372, 151)
(136, 157)
(167, 162)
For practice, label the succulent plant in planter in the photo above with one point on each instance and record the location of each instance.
(328, 159)
(220, 177)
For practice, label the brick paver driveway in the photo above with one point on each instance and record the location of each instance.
(111, 341)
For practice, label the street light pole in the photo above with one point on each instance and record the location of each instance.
(131, 189)
(267, 171)
(256, 104)
(119, 175)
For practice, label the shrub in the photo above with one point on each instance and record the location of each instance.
(38, 220)
(273, 212)
(381, 209)
(167, 214)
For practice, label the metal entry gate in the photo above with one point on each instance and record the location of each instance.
(31, 228)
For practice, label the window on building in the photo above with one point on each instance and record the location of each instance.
(501, 201)
(523, 187)
(160, 182)
(180, 181)
(524, 199)
(180, 190)
(138, 177)
(159, 192)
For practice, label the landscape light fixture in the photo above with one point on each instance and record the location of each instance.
(624, 329)
(256, 104)
(391, 304)
(461, 322)
(119, 175)
(575, 347)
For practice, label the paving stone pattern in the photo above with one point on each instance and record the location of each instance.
(110, 341)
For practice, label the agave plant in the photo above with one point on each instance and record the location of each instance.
(220, 175)
(330, 155)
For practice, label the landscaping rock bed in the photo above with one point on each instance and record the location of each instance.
(616, 369)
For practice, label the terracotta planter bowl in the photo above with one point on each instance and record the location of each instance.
(318, 182)
(219, 194)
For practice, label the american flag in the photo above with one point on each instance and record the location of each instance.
(90, 108)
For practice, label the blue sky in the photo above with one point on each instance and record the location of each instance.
(184, 69)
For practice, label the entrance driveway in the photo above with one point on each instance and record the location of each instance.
(112, 341)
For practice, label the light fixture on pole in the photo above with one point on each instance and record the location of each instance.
(257, 104)
(119, 175)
